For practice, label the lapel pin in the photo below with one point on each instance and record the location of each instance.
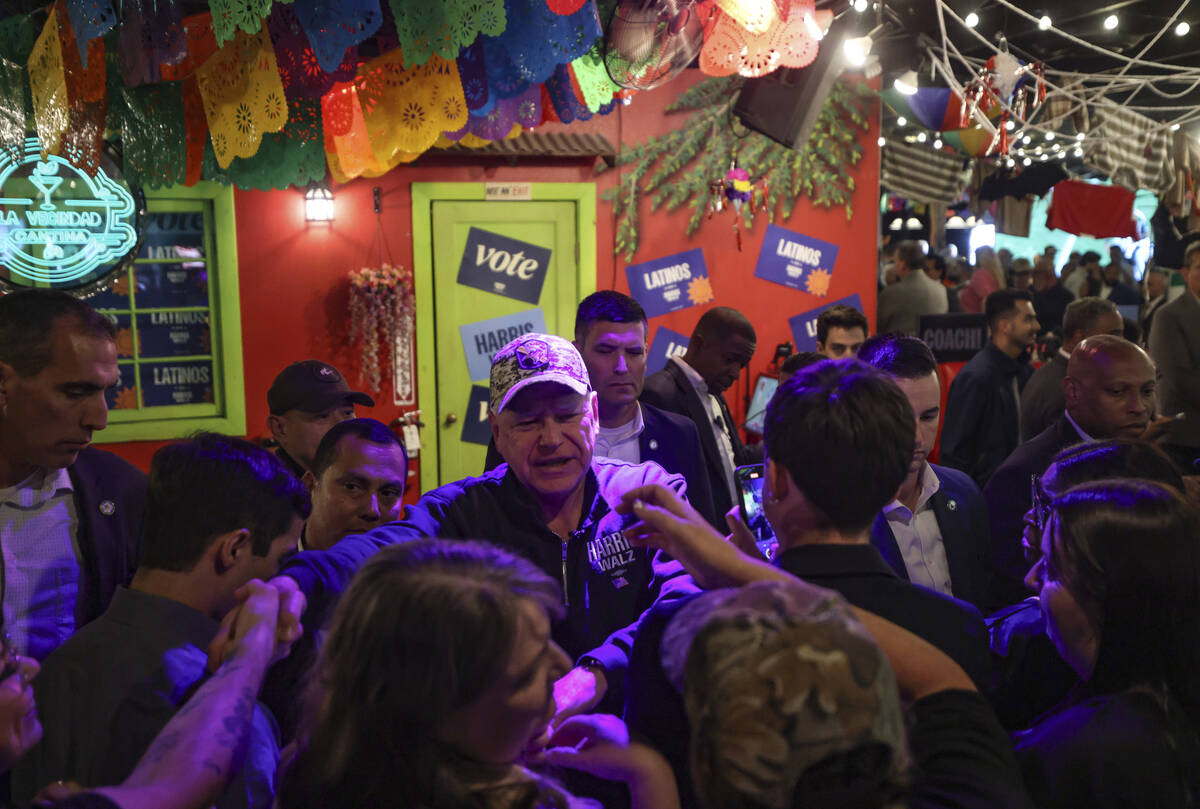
(952, 504)
(108, 508)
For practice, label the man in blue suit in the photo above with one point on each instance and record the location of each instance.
(611, 333)
(935, 531)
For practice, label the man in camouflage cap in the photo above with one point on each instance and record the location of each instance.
(552, 501)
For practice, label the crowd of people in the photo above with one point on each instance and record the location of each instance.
(589, 621)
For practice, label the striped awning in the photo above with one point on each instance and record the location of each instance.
(1133, 150)
(921, 173)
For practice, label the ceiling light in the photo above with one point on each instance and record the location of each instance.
(922, 137)
(901, 121)
(956, 222)
(857, 50)
(1044, 23)
(907, 83)
(1026, 162)
(972, 20)
(1049, 136)
(912, 223)
(937, 143)
(882, 141)
(1010, 126)
(860, 6)
(897, 223)
(1111, 22)
(1182, 29)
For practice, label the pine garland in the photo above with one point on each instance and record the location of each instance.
(676, 168)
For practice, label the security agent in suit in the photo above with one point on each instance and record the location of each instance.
(610, 334)
(721, 346)
(70, 516)
(1110, 393)
(1175, 346)
(935, 530)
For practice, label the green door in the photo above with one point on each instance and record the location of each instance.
(487, 259)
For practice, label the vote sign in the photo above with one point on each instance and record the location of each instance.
(796, 261)
(804, 326)
(503, 266)
(476, 429)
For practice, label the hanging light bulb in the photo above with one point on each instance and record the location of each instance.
(1044, 23)
(901, 121)
(1044, 157)
(1027, 162)
(1026, 140)
(1078, 152)
(1182, 29)
(1010, 126)
(882, 141)
(1049, 136)
(922, 137)
(1078, 136)
(1174, 127)
(972, 20)
(937, 143)
(906, 83)
(857, 50)
(1111, 22)
(860, 6)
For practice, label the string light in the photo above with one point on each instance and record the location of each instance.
(1111, 22)
(882, 141)
(1174, 127)
(1049, 136)
(1044, 23)
(1010, 126)
(972, 20)
(937, 143)
(1026, 139)
(1044, 157)
(1182, 29)
(1078, 136)
(921, 137)
(1027, 162)
(901, 121)
(1078, 152)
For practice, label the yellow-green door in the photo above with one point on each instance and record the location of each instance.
(499, 269)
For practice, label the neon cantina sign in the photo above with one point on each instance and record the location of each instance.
(59, 224)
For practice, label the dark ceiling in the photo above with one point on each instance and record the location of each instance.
(1140, 21)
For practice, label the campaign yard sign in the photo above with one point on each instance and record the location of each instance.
(671, 283)
(482, 340)
(504, 266)
(476, 429)
(666, 344)
(804, 326)
(954, 338)
(796, 261)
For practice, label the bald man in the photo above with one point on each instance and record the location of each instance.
(1109, 391)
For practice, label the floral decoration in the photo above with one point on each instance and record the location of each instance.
(381, 309)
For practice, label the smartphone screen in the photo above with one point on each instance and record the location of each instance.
(750, 485)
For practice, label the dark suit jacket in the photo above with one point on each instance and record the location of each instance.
(1175, 346)
(1008, 498)
(110, 498)
(1043, 400)
(981, 425)
(962, 519)
(672, 442)
(670, 390)
(859, 573)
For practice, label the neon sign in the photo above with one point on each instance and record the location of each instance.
(58, 225)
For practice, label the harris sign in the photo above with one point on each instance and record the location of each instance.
(61, 227)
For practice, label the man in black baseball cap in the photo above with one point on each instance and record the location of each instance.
(306, 399)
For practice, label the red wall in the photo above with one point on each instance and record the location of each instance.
(292, 275)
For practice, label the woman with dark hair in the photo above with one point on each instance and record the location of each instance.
(437, 679)
(1119, 583)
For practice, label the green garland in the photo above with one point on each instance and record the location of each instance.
(698, 153)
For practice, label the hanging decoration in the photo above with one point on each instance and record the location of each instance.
(734, 191)
(381, 305)
(678, 168)
(256, 92)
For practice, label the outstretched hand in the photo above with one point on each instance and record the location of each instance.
(666, 522)
(266, 619)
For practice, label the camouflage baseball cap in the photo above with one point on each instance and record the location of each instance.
(535, 358)
(778, 677)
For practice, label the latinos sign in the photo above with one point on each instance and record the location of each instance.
(504, 266)
(796, 261)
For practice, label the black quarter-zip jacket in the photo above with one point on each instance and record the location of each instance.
(607, 584)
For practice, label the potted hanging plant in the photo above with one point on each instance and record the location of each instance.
(381, 309)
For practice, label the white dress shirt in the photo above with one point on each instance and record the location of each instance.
(621, 443)
(718, 426)
(920, 538)
(38, 523)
